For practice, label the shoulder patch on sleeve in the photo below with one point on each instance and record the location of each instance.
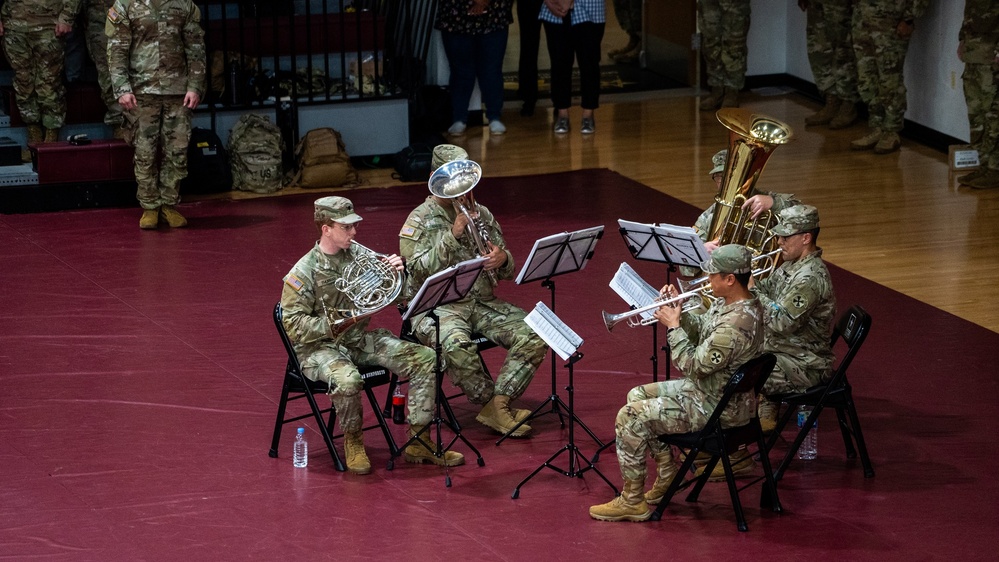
(410, 231)
(293, 281)
(113, 15)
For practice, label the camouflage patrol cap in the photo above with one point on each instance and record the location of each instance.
(800, 218)
(338, 209)
(718, 161)
(730, 258)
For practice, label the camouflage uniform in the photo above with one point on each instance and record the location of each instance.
(708, 350)
(156, 51)
(980, 36)
(428, 245)
(781, 201)
(97, 45)
(307, 288)
(37, 57)
(880, 56)
(799, 311)
(830, 48)
(724, 25)
(629, 16)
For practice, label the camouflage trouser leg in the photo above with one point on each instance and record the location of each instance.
(830, 48)
(652, 410)
(333, 365)
(411, 361)
(460, 355)
(981, 91)
(160, 123)
(97, 46)
(37, 60)
(724, 25)
(504, 324)
(629, 15)
(880, 56)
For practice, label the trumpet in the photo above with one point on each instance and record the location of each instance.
(455, 180)
(690, 299)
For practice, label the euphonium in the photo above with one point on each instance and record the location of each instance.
(369, 282)
(752, 138)
(455, 181)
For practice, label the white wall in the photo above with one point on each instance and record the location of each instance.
(932, 69)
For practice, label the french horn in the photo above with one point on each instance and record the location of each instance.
(369, 282)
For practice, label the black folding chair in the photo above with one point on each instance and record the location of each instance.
(297, 386)
(720, 442)
(852, 329)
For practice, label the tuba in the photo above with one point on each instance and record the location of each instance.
(455, 180)
(369, 282)
(752, 138)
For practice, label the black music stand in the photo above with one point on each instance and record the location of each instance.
(668, 244)
(447, 286)
(565, 343)
(552, 256)
(661, 243)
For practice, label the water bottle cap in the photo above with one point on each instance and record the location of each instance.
(301, 430)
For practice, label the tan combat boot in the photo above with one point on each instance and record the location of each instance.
(742, 463)
(35, 136)
(629, 506)
(496, 415)
(826, 114)
(888, 143)
(988, 180)
(867, 141)
(767, 412)
(845, 117)
(665, 472)
(966, 179)
(150, 219)
(51, 135)
(353, 448)
(712, 100)
(172, 217)
(419, 453)
(633, 43)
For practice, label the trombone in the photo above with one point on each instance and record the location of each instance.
(690, 299)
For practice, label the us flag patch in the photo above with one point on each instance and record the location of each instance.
(407, 231)
(293, 282)
(113, 15)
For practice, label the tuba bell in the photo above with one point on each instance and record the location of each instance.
(455, 181)
(369, 282)
(752, 139)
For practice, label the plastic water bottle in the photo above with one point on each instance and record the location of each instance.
(301, 455)
(398, 406)
(810, 446)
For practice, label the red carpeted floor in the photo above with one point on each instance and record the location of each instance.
(141, 372)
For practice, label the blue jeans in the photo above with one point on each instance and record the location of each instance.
(471, 57)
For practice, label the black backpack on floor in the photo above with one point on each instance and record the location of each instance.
(207, 164)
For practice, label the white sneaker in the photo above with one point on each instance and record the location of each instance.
(457, 128)
(497, 127)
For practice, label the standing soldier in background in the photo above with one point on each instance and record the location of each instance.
(629, 17)
(979, 49)
(156, 57)
(724, 25)
(834, 65)
(33, 34)
(881, 33)
(97, 46)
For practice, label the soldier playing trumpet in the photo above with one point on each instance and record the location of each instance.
(312, 304)
(434, 237)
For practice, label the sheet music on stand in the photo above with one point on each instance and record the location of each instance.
(679, 244)
(445, 286)
(554, 331)
(633, 289)
(579, 249)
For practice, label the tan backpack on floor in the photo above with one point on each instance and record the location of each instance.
(323, 161)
